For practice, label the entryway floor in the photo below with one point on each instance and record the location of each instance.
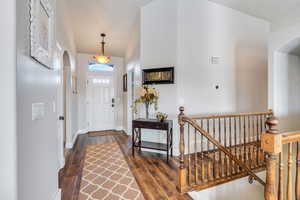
(155, 177)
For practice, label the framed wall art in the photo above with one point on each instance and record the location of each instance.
(158, 76)
(125, 83)
(41, 32)
(74, 83)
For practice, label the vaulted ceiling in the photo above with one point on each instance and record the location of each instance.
(278, 12)
(90, 18)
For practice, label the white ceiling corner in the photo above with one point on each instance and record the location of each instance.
(113, 17)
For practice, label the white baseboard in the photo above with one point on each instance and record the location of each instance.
(57, 195)
(70, 145)
(82, 131)
(120, 128)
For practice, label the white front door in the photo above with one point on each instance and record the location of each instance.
(100, 102)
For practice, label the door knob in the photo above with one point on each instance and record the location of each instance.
(61, 118)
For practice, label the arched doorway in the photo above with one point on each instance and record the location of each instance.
(286, 67)
(66, 90)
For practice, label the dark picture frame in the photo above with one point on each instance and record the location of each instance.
(125, 83)
(158, 76)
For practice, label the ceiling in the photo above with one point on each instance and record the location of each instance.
(278, 12)
(114, 17)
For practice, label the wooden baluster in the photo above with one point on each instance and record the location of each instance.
(245, 154)
(240, 141)
(209, 166)
(254, 142)
(225, 145)
(281, 178)
(249, 141)
(182, 169)
(220, 153)
(189, 157)
(230, 146)
(202, 156)
(257, 140)
(290, 178)
(262, 122)
(214, 150)
(235, 145)
(196, 160)
(297, 187)
(271, 144)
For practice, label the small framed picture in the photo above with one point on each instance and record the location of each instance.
(158, 76)
(74, 83)
(125, 83)
(41, 32)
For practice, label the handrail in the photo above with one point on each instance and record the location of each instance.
(197, 117)
(290, 137)
(192, 122)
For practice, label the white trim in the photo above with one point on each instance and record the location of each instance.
(120, 128)
(70, 145)
(57, 195)
(83, 131)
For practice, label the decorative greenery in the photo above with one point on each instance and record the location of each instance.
(147, 95)
(161, 116)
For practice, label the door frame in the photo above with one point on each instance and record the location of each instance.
(130, 99)
(95, 74)
(59, 66)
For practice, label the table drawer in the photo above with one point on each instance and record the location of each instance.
(151, 125)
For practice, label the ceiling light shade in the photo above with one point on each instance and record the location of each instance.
(102, 59)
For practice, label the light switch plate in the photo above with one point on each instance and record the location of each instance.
(38, 111)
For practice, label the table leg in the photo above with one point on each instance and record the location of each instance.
(171, 142)
(140, 139)
(133, 141)
(168, 145)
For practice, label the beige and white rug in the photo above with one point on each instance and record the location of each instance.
(106, 175)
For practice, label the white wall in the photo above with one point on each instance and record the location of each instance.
(65, 38)
(159, 47)
(279, 39)
(207, 29)
(236, 190)
(185, 35)
(132, 64)
(83, 73)
(287, 94)
(38, 142)
(8, 172)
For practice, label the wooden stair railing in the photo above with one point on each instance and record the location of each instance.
(220, 148)
(279, 173)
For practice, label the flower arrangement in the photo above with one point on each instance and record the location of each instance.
(161, 116)
(147, 96)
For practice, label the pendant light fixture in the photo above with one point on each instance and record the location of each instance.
(102, 59)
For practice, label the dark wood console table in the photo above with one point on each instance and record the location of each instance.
(166, 126)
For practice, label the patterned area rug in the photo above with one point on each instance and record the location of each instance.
(106, 175)
(104, 133)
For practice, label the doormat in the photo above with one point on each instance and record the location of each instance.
(104, 133)
(106, 175)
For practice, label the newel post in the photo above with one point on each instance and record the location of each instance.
(182, 169)
(271, 144)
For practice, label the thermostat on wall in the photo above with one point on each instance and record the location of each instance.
(214, 60)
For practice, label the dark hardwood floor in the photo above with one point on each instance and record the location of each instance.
(156, 178)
